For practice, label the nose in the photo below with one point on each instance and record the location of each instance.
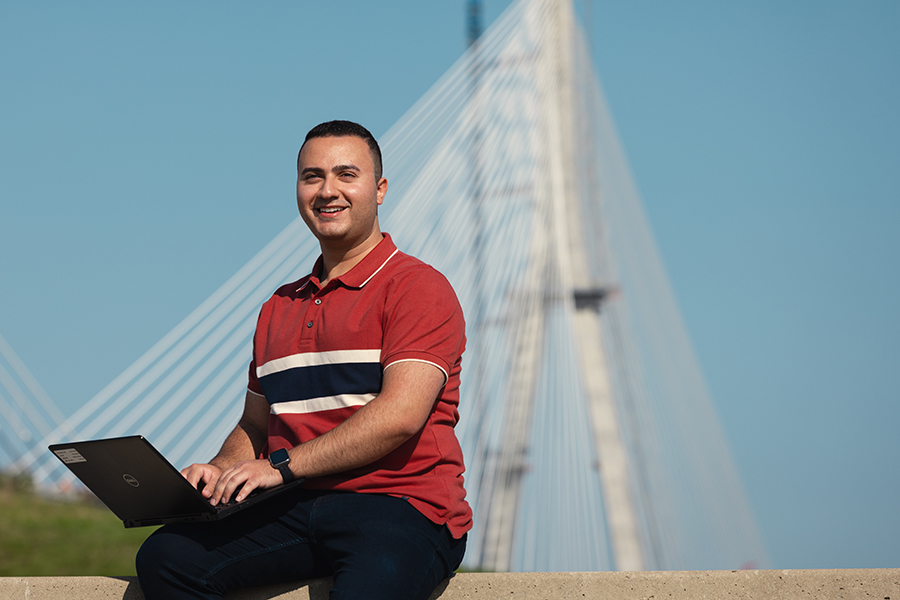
(328, 189)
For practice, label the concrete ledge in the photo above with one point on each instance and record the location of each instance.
(877, 584)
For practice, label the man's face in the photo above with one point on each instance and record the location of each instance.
(337, 193)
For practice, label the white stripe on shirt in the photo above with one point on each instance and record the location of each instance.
(314, 359)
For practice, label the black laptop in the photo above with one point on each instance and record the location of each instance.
(141, 487)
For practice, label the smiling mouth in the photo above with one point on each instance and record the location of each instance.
(330, 210)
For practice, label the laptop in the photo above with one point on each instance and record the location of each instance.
(141, 487)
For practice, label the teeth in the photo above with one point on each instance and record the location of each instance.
(330, 210)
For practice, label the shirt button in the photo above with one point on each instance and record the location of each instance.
(308, 325)
(318, 301)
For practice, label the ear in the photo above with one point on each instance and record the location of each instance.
(381, 189)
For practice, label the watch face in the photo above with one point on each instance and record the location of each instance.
(279, 456)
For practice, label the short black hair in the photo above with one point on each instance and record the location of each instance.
(347, 128)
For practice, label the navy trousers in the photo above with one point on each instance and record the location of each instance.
(375, 546)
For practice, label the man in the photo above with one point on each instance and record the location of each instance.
(353, 385)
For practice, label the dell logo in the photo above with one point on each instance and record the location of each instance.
(130, 480)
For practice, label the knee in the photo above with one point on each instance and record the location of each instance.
(163, 564)
(146, 560)
(154, 556)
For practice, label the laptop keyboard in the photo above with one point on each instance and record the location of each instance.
(232, 502)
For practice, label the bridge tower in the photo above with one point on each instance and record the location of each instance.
(564, 252)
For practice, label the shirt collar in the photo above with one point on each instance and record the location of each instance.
(367, 268)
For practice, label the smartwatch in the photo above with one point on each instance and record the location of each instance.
(281, 460)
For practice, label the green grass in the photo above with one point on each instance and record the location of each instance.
(42, 537)
(45, 537)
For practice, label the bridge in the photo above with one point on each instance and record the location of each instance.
(591, 441)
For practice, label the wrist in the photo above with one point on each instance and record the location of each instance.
(281, 461)
(218, 464)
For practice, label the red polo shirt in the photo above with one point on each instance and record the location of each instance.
(319, 355)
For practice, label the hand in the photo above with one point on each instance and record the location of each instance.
(247, 475)
(206, 474)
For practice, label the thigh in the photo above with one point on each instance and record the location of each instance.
(380, 546)
(265, 544)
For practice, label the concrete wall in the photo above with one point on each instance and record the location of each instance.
(871, 584)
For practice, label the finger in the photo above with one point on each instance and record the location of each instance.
(248, 487)
(200, 477)
(227, 484)
(209, 478)
(192, 474)
(216, 491)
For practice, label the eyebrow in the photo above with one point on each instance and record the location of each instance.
(334, 169)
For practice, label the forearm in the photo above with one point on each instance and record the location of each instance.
(238, 446)
(381, 426)
(407, 397)
(247, 440)
(359, 441)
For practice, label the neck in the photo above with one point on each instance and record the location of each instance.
(337, 260)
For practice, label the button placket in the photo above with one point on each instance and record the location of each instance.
(312, 317)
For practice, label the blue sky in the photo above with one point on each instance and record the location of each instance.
(147, 152)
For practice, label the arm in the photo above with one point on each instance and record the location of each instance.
(407, 397)
(245, 442)
(399, 412)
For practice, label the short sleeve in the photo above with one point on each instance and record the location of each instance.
(423, 321)
(252, 380)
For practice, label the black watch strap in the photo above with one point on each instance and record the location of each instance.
(281, 460)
